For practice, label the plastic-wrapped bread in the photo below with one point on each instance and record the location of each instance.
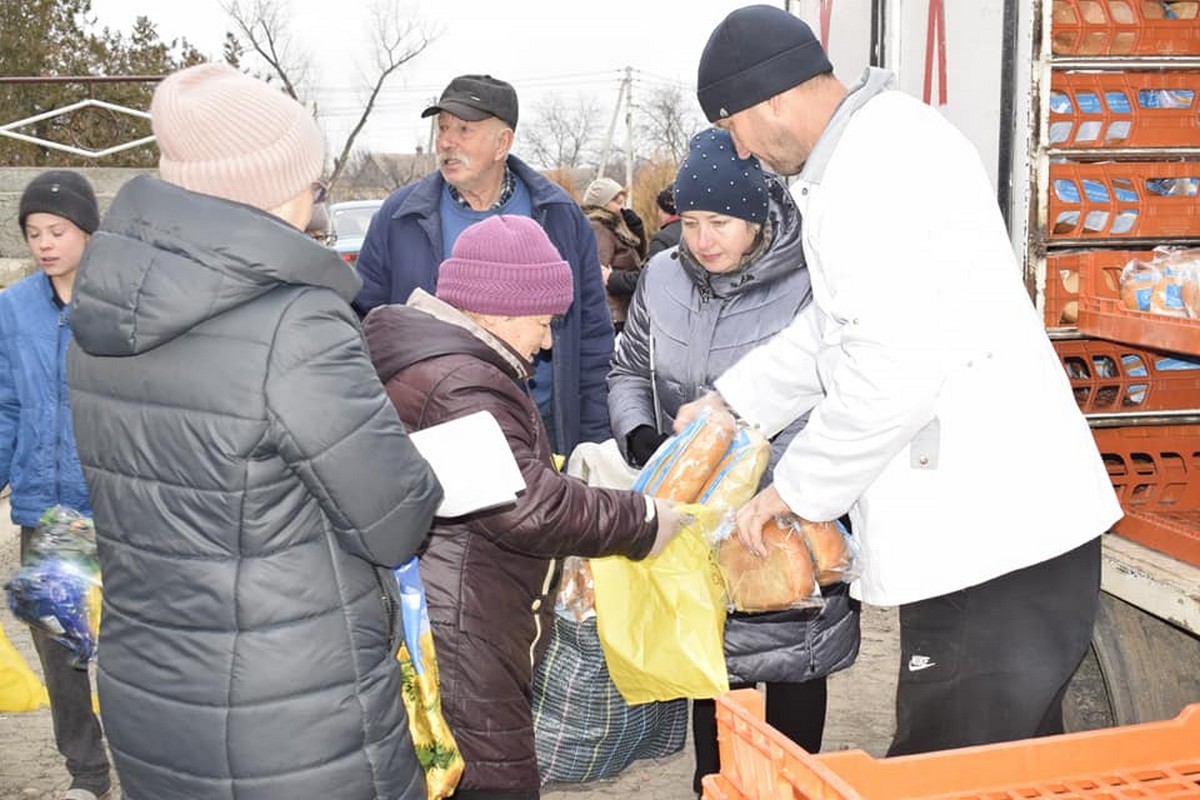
(681, 466)
(782, 579)
(576, 593)
(830, 549)
(736, 477)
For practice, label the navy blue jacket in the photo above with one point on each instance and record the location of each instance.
(402, 252)
(37, 440)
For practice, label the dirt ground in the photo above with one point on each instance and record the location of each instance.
(860, 716)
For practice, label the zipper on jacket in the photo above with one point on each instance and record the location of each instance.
(59, 379)
(810, 637)
(536, 607)
(389, 607)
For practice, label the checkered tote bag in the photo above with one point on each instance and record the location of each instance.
(584, 728)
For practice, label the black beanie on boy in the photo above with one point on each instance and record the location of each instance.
(755, 53)
(63, 193)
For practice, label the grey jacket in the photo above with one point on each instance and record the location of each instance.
(251, 486)
(686, 326)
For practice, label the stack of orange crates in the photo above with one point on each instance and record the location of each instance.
(1126, 366)
(1152, 761)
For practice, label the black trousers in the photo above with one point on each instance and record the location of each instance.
(797, 710)
(991, 663)
(77, 731)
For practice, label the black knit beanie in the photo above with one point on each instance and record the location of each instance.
(63, 193)
(755, 53)
(666, 200)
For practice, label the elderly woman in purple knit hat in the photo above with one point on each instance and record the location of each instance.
(490, 577)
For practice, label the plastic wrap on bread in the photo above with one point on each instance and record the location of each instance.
(784, 578)
(683, 464)
(802, 556)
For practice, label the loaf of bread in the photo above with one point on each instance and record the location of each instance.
(736, 477)
(684, 463)
(1168, 295)
(783, 579)
(1138, 279)
(830, 554)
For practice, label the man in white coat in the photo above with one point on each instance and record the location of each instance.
(941, 419)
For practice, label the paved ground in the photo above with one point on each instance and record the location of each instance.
(860, 715)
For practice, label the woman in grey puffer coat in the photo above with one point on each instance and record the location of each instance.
(251, 483)
(736, 279)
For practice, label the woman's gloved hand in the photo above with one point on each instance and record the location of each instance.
(641, 443)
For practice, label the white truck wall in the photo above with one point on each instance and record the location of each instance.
(974, 40)
(848, 39)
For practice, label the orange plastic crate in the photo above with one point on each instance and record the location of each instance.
(1152, 760)
(1062, 294)
(1156, 473)
(1124, 199)
(1124, 109)
(1063, 268)
(1109, 377)
(1124, 27)
(1102, 314)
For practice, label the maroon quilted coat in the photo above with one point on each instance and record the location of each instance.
(490, 577)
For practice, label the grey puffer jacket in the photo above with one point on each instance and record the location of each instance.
(686, 326)
(251, 486)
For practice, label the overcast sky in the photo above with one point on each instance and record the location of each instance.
(540, 46)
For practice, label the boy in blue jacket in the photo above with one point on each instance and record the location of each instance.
(57, 214)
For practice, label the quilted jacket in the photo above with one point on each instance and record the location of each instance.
(490, 578)
(252, 486)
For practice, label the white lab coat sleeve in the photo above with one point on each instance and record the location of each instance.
(777, 382)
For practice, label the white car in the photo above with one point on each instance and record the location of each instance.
(348, 221)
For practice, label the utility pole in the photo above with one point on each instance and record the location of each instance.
(612, 125)
(628, 137)
(432, 129)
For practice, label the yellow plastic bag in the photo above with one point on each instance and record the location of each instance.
(661, 620)
(20, 688)
(436, 749)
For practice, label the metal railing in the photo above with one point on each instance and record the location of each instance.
(11, 129)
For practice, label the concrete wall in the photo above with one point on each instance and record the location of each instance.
(14, 256)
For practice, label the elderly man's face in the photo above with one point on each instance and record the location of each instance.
(468, 152)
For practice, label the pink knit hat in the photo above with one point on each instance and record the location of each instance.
(229, 135)
(507, 266)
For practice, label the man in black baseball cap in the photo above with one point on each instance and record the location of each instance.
(478, 176)
(477, 97)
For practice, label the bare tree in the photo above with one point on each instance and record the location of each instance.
(668, 120)
(396, 36)
(560, 134)
(371, 171)
(261, 26)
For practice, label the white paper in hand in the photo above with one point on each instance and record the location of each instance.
(472, 461)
